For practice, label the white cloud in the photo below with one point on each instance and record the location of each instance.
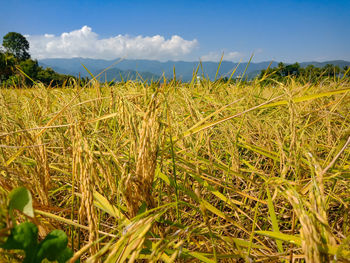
(86, 43)
(258, 51)
(216, 56)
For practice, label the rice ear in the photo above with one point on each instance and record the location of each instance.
(83, 169)
(138, 186)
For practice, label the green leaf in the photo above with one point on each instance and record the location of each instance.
(102, 203)
(296, 240)
(54, 244)
(198, 255)
(142, 208)
(65, 255)
(307, 98)
(240, 242)
(274, 220)
(21, 199)
(221, 214)
(163, 177)
(23, 236)
(279, 236)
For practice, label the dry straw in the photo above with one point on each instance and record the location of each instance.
(204, 185)
(138, 186)
(316, 236)
(85, 173)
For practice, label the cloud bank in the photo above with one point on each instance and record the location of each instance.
(86, 43)
(216, 56)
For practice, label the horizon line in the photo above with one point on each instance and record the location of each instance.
(196, 61)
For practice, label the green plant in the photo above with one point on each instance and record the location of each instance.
(24, 236)
(16, 44)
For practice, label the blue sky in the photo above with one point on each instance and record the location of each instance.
(286, 31)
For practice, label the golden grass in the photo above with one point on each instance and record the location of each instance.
(185, 172)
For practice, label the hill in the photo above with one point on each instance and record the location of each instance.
(115, 74)
(154, 69)
(74, 66)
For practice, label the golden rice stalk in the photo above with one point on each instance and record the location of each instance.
(314, 232)
(41, 180)
(138, 186)
(84, 171)
(106, 170)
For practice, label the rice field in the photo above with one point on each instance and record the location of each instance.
(184, 172)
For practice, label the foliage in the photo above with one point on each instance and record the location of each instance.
(31, 69)
(7, 66)
(49, 77)
(17, 69)
(28, 72)
(308, 74)
(21, 199)
(16, 44)
(24, 236)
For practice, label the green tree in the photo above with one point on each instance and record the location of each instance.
(7, 66)
(49, 77)
(311, 73)
(17, 45)
(30, 68)
(331, 70)
(280, 66)
(292, 70)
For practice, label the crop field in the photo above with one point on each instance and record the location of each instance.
(206, 171)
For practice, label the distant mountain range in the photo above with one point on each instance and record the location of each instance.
(152, 69)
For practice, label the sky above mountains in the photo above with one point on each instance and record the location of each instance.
(286, 30)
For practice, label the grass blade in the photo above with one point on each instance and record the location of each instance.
(273, 218)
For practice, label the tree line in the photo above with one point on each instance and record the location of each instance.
(17, 67)
(310, 73)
